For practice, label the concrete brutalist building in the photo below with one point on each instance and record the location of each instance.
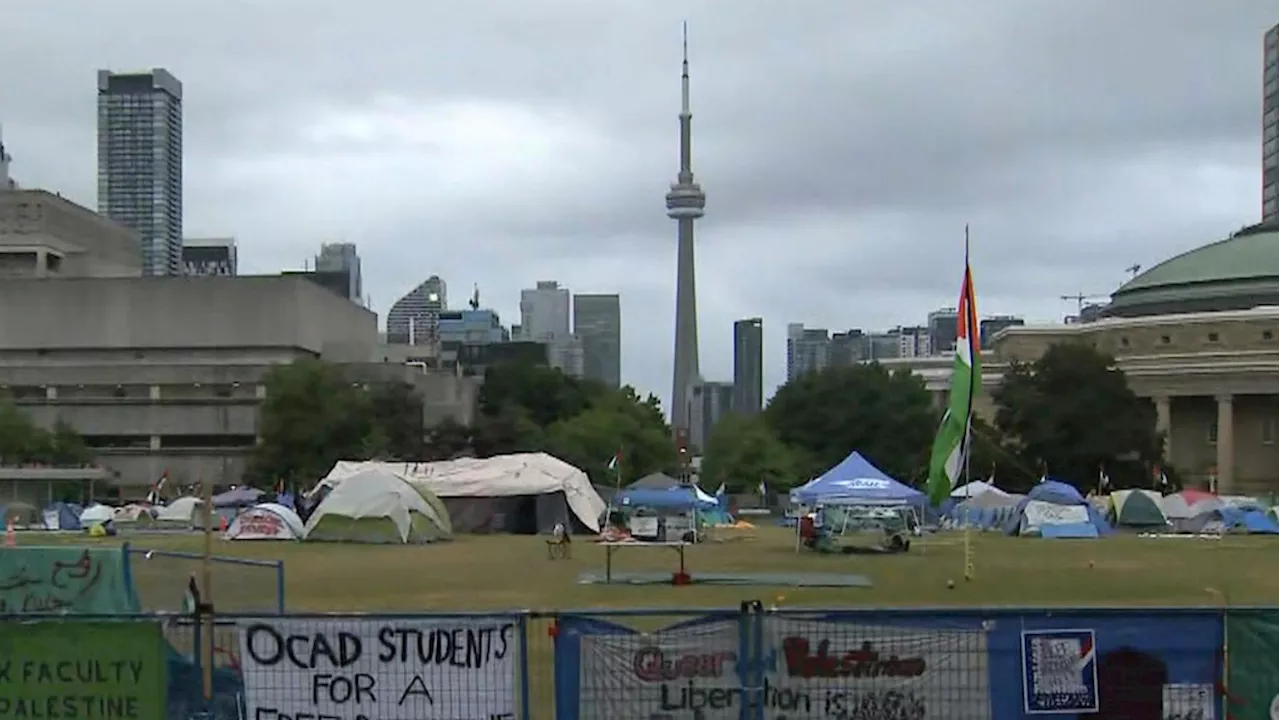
(164, 374)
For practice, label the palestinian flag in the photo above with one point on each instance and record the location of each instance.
(951, 446)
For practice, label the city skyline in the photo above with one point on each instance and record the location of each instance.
(813, 221)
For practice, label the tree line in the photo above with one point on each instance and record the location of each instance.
(1069, 414)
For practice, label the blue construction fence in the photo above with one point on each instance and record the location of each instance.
(749, 662)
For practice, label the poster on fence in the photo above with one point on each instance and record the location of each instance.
(1059, 672)
(807, 669)
(371, 669)
(82, 670)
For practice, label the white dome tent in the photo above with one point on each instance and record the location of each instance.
(377, 506)
(267, 521)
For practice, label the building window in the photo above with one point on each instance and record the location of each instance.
(1269, 432)
(1124, 342)
(1213, 432)
(1165, 339)
(1213, 337)
(1268, 335)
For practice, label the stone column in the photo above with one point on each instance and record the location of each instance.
(1164, 425)
(1226, 445)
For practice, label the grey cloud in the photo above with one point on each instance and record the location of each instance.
(843, 146)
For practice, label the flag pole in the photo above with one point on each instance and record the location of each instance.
(968, 421)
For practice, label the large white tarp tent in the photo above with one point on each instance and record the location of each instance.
(523, 493)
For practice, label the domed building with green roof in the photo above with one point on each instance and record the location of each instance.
(1238, 273)
(1197, 335)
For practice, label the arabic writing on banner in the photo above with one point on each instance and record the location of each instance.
(53, 579)
(374, 669)
(82, 670)
(809, 669)
(1252, 649)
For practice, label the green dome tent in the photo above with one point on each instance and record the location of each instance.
(377, 506)
(1137, 508)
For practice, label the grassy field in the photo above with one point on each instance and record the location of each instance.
(505, 572)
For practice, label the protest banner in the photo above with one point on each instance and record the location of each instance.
(372, 669)
(806, 669)
(82, 670)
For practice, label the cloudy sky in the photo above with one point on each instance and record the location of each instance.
(843, 145)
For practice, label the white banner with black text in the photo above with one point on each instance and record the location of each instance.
(806, 669)
(372, 669)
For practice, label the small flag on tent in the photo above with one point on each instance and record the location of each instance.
(991, 478)
(1104, 480)
(280, 486)
(615, 461)
(763, 489)
(720, 490)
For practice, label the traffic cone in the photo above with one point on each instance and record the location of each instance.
(10, 537)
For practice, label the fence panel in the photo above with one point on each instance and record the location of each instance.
(946, 664)
(240, 585)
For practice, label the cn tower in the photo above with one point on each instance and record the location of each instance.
(685, 203)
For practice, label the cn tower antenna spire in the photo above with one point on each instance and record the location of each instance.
(684, 75)
(685, 204)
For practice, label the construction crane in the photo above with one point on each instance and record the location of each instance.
(1081, 299)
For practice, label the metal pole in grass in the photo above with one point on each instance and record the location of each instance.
(206, 609)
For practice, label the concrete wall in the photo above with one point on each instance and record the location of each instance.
(89, 244)
(178, 312)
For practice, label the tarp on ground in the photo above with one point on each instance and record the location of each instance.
(377, 506)
(268, 521)
(984, 512)
(1250, 522)
(523, 492)
(62, 516)
(182, 511)
(856, 481)
(1137, 509)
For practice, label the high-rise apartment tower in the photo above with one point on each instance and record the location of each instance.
(140, 162)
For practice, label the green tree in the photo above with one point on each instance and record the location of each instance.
(312, 417)
(22, 442)
(544, 393)
(66, 446)
(889, 417)
(743, 451)
(397, 416)
(1073, 410)
(616, 421)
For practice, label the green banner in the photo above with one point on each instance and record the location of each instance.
(65, 579)
(81, 670)
(1251, 664)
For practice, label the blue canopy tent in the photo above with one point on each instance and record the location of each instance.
(684, 497)
(855, 481)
